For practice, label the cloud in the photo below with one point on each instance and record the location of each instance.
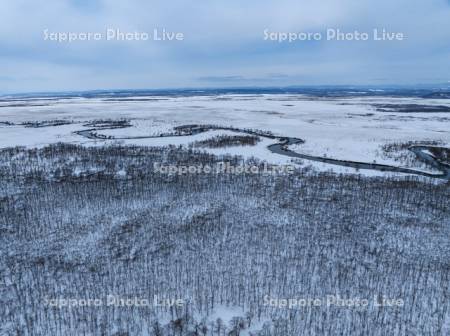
(223, 43)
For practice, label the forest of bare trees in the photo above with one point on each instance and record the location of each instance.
(87, 223)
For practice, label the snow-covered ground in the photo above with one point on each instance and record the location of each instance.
(339, 128)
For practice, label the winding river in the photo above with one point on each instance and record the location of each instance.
(281, 147)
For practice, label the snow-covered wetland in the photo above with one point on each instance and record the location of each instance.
(96, 241)
(359, 129)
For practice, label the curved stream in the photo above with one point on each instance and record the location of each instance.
(282, 148)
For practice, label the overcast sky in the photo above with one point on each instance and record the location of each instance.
(223, 44)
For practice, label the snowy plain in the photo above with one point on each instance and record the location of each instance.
(344, 128)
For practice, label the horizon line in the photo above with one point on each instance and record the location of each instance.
(429, 86)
